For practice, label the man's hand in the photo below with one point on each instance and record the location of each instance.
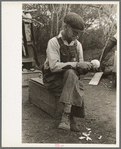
(84, 65)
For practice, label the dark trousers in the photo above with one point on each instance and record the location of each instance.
(67, 86)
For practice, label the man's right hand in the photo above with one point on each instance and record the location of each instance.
(84, 65)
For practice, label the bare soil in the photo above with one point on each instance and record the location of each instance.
(100, 109)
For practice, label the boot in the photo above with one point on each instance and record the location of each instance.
(73, 125)
(65, 122)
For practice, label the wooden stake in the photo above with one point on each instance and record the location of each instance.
(106, 42)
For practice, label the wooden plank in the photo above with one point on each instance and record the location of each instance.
(26, 76)
(38, 80)
(115, 63)
(26, 60)
(29, 43)
(96, 78)
(31, 72)
(89, 76)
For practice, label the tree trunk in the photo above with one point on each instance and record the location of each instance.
(57, 23)
(69, 8)
(65, 12)
(51, 32)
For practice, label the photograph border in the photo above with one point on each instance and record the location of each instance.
(11, 105)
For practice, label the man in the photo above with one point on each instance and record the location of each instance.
(62, 69)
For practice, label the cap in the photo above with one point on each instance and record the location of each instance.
(74, 20)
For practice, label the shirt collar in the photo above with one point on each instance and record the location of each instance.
(64, 41)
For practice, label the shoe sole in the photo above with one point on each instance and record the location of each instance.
(60, 127)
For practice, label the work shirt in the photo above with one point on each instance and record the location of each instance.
(53, 54)
(115, 36)
(64, 82)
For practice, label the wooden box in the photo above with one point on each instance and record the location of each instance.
(41, 97)
(45, 100)
(26, 76)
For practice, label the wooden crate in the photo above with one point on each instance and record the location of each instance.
(26, 76)
(41, 97)
(45, 100)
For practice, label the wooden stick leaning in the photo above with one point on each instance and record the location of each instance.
(106, 42)
(97, 76)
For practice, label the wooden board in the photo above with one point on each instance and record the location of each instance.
(38, 80)
(27, 60)
(115, 63)
(26, 76)
(95, 80)
(41, 97)
(89, 76)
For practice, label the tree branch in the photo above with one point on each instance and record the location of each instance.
(33, 20)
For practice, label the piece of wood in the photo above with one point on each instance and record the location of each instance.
(107, 41)
(41, 97)
(114, 71)
(38, 80)
(26, 60)
(96, 78)
(115, 63)
(114, 79)
(89, 76)
(26, 76)
(45, 100)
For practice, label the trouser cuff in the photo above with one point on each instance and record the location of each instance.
(67, 108)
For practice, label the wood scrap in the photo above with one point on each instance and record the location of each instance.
(89, 76)
(96, 78)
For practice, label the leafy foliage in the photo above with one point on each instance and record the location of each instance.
(100, 22)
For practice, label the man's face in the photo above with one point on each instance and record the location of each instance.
(71, 34)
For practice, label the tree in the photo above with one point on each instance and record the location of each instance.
(97, 17)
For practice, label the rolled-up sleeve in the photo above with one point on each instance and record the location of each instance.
(80, 51)
(53, 55)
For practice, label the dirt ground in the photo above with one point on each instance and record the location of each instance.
(100, 110)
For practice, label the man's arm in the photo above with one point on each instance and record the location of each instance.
(53, 55)
(80, 51)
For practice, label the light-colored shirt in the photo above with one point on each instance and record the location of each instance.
(115, 36)
(53, 55)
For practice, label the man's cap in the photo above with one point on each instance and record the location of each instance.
(74, 20)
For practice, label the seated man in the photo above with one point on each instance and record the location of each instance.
(62, 69)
